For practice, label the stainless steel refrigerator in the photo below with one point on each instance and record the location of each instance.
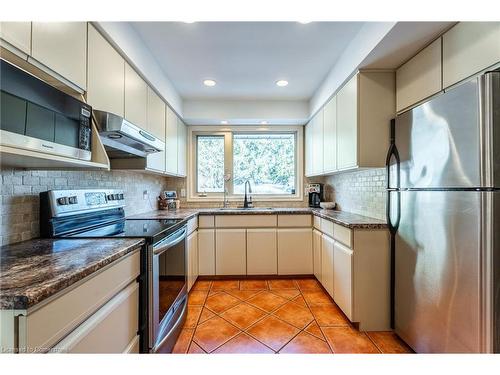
(444, 216)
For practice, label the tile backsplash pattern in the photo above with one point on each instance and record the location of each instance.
(19, 200)
(360, 192)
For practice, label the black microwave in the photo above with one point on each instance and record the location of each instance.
(38, 117)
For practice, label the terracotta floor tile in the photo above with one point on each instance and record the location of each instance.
(304, 343)
(212, 292)
(253, 285)
(282, 284)
(389, 342)
(192, 316)
(348, 340)
(182, 344)
(197, 297)
(213, 333)
(205, 315)
(314, 297)
(329, 315)
(314, 330)
(243, 315)
(243, 344)
(267, 301)
(243, 294)
(221, 302)
(286, 293)
(225, 284)
(294, 314)
(299, 300)
(202, 285)
(195, 349)
(308, 284)
(273, 332)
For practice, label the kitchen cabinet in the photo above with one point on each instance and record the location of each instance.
(342, 282)
(156, 119)
(294, 221)
(192, 259)
(308, 149)
(468, 48)
(327, 264)
(317, 255)
(295, 256)
(17, 34)
(317, 136)
(330, 136)
(420, 77)
(206, 251)
(262, 257)
(171, 143)
(62, 47)
(230, 252)
(181, 147)
(347, 121)
(136, 98)
(105, 75)
(245, 221)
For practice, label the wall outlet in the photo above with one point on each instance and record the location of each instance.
(145, 194)
(183, 193)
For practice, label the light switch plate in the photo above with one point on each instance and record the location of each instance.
(183, 193)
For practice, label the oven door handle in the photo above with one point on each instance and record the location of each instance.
(170, 241)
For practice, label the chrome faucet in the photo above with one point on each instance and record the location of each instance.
(248, 199)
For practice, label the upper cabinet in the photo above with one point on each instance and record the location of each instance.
(171, 143)
(468, 48)
(181, 147)
(17, 34)
(347, 119)
(420, 77)
(317, 136)
(308, 149)
(136, 98)
(62, 47)
(330, 136)
(156, 125)
(105, 75)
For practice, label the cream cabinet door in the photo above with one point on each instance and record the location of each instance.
(330, 136)
(468, 48)
(171, 142)
(192, 259)
(309, 148)
(317, 254)
(420, 77)
(18, 34)
(62, 47)
(327, 264)
(136, 98)
(106, 75)
(295, 255)
(230, 252)
(156, 125)
(206, 252)
(181, 147)
(342, 278)
(347, 125)
(317, 145)
(262, 252)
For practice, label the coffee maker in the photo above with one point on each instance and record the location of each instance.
(315, 192)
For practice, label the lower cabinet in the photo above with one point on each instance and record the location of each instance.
(343, 277)
(192, 259)
(262, 256)
(230, 252)
(317, 254)
(206, 251)
(327, 264)
(295, 254)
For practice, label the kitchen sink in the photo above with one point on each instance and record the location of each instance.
(244, 209)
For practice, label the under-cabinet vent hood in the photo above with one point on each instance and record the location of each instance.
(122, 139)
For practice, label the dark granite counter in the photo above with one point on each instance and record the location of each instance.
(350, 220)
(31, 271)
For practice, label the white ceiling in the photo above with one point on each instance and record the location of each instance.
(246, 58)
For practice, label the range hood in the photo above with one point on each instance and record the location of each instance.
(122, 139)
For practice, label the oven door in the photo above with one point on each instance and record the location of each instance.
(168, 291)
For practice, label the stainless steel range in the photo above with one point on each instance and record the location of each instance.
(99, 213)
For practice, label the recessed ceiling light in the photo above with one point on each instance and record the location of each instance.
(209, 82)
(281, 83)
(223, 122)
(263, 122)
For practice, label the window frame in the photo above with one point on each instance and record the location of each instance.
(227, 132)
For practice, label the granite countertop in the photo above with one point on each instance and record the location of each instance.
(31, 271)
(347, 219)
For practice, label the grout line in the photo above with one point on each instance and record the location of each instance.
(373, 342)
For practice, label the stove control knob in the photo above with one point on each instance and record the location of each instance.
(62, 201)
(121, 196)
(110, 197)
(73, 200)
(117, 197)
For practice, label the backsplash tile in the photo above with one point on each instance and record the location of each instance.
(19, 217)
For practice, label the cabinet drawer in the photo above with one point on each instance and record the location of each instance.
(206, 221)
(50, 323)
(327, 227)
(192, 225)
(342, 234)
(245, 221)
(316, 222)
(294, 220)
(110, 330)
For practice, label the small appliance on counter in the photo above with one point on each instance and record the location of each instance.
(168, 200)
(315, 192)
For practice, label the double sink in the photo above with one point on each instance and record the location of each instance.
(245, 208)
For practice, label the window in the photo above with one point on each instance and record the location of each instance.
(225, 158)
